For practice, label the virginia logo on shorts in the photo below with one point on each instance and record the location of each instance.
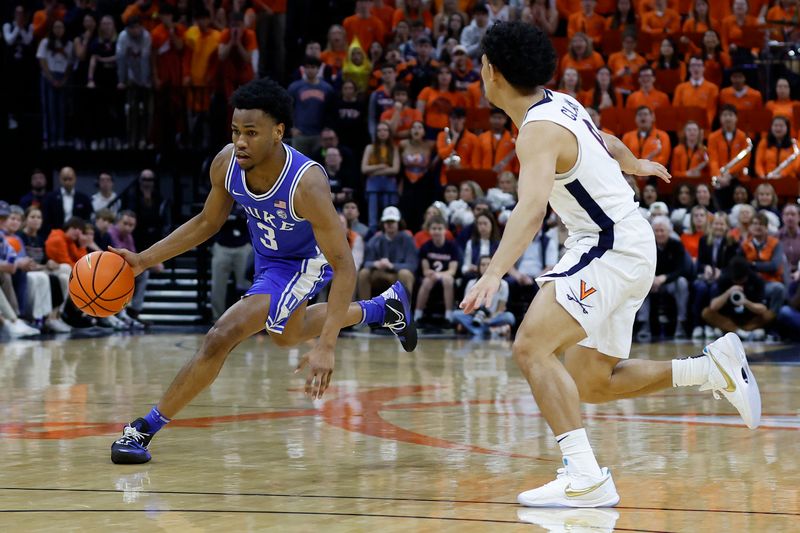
(586, 292)
(574, 297)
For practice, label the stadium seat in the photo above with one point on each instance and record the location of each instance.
(785, 188)
(667, 80)
(618, 120)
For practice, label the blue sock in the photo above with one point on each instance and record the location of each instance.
(373, 310)
(155, 420)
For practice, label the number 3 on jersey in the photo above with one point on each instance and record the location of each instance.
(268, 237)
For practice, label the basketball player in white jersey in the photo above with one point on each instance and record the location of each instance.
(586, 305)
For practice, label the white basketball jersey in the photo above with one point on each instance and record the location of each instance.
(593, 195)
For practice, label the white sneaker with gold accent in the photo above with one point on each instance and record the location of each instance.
(573, 490)
(731, 376)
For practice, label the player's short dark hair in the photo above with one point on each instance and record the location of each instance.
(266, 95)
(105, 214)
(728, 107)
(74, 223)
(521, 52)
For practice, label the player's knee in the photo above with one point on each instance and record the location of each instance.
(220, 339)
(524, 350)
(447, 281)
(284, 340)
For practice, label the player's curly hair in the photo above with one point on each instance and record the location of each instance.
(521, 52)
(265, 94)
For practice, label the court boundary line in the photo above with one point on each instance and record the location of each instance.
(377, 498)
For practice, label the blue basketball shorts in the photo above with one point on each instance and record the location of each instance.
(289, 283)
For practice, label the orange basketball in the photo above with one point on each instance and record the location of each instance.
(101, 284)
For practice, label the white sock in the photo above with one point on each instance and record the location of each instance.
(417, 314)
(578, 455)
(690, 371)
(448, 315)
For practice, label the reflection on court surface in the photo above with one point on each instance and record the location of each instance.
(442, 439)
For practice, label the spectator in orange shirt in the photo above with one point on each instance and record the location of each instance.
(567, 7)
(668, 59)
(570, 84)
(437, 101)
(646, 6)
(64, 245)
(580, 55)
(698, 91)
(723, 146)
(595, 114)
(588, 22)
(401, 115)
(44, 18)
(661, 20)
(458, 141)
(146, 10)
(647, 141)
(475, 97)
(786, 11)
(647, 95)
(336, 50)
(739, 94)
(690, 157)
(716, 59)
(733, 26)
(624, 18)
(412, 10)
(167, 58)
(783, 105)
(364, 25)
(497, 144)
(238, 54)
(699, 20)
(200, 62)
(773, 150)
(626, 63)
(603, 94)
(383, 11)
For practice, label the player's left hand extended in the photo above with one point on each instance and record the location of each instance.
(652, 168)
(480, 294)
(320, 361)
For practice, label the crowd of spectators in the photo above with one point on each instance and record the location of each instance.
(391, 104)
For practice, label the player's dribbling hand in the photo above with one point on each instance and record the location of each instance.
(321, 361)
(652, 168)
(133, 259)
(480, 294)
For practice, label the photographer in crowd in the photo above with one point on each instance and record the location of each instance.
(738, 303)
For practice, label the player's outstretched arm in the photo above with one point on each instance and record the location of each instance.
(313, 202)
(194, 231)
(538, 147)
(628, 162)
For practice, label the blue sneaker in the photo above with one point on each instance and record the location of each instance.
(132, 447)
(398, 316)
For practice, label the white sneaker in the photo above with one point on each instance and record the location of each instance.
(731, 376)
(18, 328)
(571, 520)
(697, 333)
(571, 490)
(742, 334)
(757, 335)
(56, 326)
(708, 333)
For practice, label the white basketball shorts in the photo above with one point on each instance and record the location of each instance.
(603, 287)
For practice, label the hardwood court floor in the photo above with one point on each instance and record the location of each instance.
(439, 440)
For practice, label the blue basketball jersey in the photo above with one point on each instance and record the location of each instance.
(276, 231)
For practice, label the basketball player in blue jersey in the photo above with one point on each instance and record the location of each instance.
(586, 305)
(299, 246)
